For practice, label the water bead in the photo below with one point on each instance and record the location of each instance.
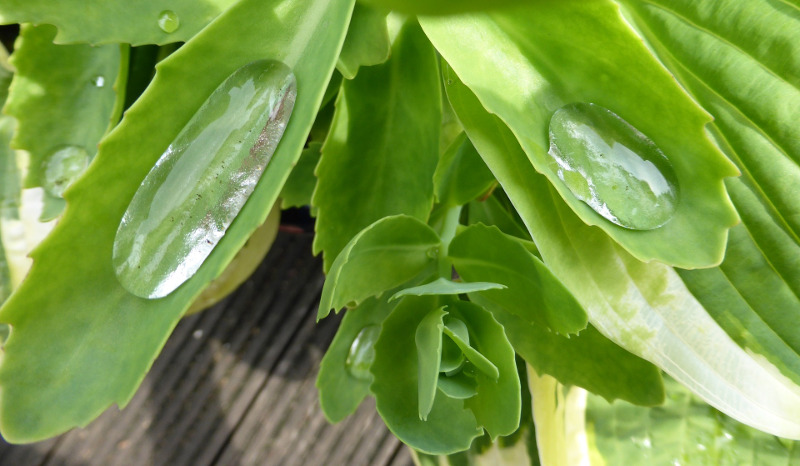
(187, 201)
(612, 166)
(168, 21)
(62, 167)
(362, 352)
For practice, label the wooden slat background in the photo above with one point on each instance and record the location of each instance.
(234, 385)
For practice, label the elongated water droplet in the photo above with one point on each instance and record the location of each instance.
(611, 166)
(168, 21)
(200, 183)
(362, 352)
(62, 167)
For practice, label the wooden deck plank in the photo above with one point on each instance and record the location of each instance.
(233, 385)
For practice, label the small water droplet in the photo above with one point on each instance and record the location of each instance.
(701, 447)
(99, 81)
(362, 352)
(197, 334)
(433, 252)
(62, 167)
(611, 166)
(168, 21)
(167, 231)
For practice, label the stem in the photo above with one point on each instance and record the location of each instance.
(449, 227)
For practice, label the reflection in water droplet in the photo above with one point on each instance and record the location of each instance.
(362, 352)
(611, 166)
(197, 187)
(168, 21)
(99, 81)
(62, 167)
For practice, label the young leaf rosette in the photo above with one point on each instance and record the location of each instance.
(457, 360)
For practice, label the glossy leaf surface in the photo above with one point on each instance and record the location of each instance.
(62, 95)
(103, 21)
(56, 373)
(383, 256)
(440, 7)
(382, 150)
(645, 308)
(541, 70)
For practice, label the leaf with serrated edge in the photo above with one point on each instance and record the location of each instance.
(382, 256)
(106, 21)
(367, 42)
(645, 308)
(79, 342)
(541, 69)
(450, 426)
(382, 148)
(55, 95)
(481, 253)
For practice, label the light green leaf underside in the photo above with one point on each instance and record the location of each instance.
(482, 253)
(105, 21)
(443, 286)
(382, 149)
(55, 96)
(79, 341)
(749, 81)
(339, 392)
(384, 255)
(683, 431)
(367, 42)
(450, 427)
(754, 293)
(541, 70)
(645, 308)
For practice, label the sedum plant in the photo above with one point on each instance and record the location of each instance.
(527, 210)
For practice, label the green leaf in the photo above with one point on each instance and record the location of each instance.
(472, 355)
(685, 430)
(340, 392)
(61, 95)
(498, 403)
(459, 386)
(104, 21)
(79, 342)
(441, 7)
(301, 182)
(443, 286)
(752, 90)
(754, 293)
(481, 253)
(645, 308)
(428, 340)
(461, 175)
(382, 256)
(450, 427)
(382, 149)
(367, 42)
(541, 70)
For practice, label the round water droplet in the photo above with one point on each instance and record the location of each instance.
(62, 167)
(168, 21)
(611, 166)
(197, 187)
(99, 81)
(362, 352)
